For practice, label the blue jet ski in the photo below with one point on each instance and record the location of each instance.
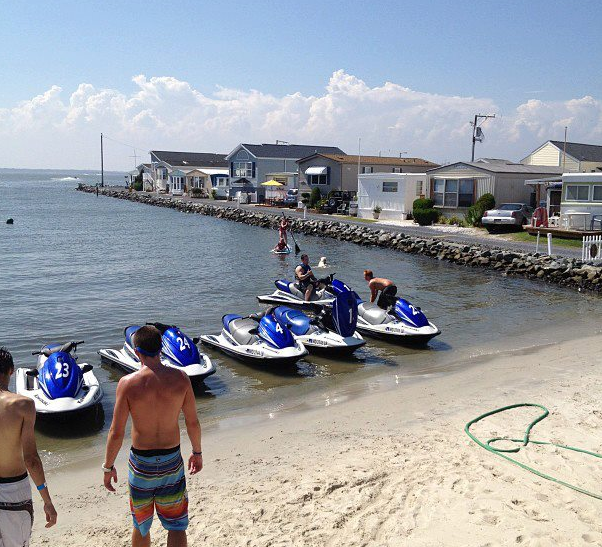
(177, 351)
(59, 385)
(402, 323)
(256, 339)
(289, 293)
(331, 331)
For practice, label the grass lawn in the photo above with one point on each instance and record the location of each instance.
(562, 242)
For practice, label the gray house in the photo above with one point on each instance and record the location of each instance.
(457, 186)
(340, 171)
(252, 164)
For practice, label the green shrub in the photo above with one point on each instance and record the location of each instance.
(314, 197)
(137, 185)
(378, 209)
(487, 201)
(213, 193)
(444, 220)
(426, 217)
(423, 203)
(305, 198)
(197, 192)
(474, 214)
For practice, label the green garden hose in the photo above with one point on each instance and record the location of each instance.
(524, 442)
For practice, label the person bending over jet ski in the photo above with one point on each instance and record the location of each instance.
(387, 288)
(305, 277)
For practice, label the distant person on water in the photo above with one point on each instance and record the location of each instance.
(281, 246)
(154, 397)
(305, 277)
(282, 229)
(387, 288)
(18, 457)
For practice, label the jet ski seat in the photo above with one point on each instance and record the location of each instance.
(373, 314)
(296, 290)
(243, 330)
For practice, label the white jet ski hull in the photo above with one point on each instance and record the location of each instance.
(331, 343)
(258, 354)
(90, 394)
(398, 332)
(288, 299)
(123, 360)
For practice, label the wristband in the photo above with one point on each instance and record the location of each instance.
(199, 453)
(107, 469)
(41, 487)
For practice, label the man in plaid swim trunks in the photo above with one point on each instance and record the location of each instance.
(154, 397)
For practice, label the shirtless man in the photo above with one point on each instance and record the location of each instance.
(386, 286)
(306, 278)
(154, 397)
(18, 456)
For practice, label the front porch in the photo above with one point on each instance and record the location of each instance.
(565, 233)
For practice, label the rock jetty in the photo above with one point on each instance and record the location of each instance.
(566, 272)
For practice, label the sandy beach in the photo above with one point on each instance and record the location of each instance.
(391, 467)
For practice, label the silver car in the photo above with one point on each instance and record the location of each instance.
(508, 215)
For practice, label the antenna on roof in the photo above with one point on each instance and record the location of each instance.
(282, 142)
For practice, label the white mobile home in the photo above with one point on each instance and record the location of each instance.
(581, 199)
(394, 193)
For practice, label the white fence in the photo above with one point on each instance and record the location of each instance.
(592, 249)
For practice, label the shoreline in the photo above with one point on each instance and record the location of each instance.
(566, 272)
(388, 467)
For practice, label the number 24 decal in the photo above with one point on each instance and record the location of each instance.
(183, 343)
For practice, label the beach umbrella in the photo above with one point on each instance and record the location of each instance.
(272, 182)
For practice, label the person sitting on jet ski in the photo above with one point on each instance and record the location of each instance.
(305, 277)
(387, 288)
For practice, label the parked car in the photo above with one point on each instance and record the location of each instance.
(292, 197)
(338, 202)
(508, 215)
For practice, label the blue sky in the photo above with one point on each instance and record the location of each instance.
(508, 51)
(504, 52)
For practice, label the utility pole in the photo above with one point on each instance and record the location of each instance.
(477, 133)
(135, 156)
(102, 168)
(564, 150)
(359, 153)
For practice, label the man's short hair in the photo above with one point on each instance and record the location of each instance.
(148, 339)
(304, 256)
(368, 273)
(6, 361)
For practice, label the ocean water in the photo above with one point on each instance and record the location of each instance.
(77, 266)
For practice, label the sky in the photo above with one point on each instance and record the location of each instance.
(405, 77)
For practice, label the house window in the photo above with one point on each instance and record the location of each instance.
(597, 193)
(317, 180)
(390, 186)
(396, 169)
(419, 188)
(242, 169)
(577, 192)
(367, 169)
(466, 193)
(453, 192)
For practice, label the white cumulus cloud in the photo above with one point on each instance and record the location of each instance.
(55, 129)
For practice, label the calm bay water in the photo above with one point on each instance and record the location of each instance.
(77, 266)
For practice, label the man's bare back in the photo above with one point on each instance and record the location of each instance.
(155, 399)
(13, 409)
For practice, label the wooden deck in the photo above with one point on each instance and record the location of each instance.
(562, 232)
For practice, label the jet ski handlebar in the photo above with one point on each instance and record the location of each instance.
(162, 327)
(67, 347)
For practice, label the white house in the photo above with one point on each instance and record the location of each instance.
(581, 198)
(394, 193)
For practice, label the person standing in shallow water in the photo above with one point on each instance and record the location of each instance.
(18, 456)
(154, 397)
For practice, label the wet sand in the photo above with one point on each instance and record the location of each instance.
(390, 467)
